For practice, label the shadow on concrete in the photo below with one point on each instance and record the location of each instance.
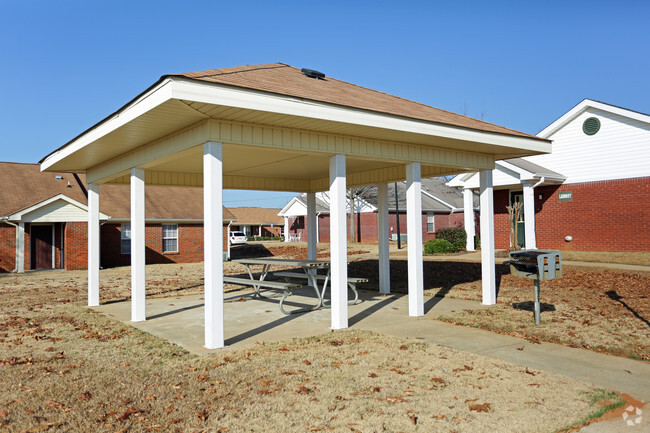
(260, 329)
(387, 300)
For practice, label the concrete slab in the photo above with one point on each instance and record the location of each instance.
(180, 321)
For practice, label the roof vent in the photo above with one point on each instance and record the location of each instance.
(57, 177)
(313, 74)
(591, 126)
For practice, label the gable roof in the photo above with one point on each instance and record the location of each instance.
(283, 79)
(26, 187)
(256, 216)
(436, 197)
(590, 103)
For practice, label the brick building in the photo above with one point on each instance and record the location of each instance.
(442, 207)
(257, 221)
(43, 222)
(592, 193)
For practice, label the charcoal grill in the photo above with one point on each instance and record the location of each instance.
(538, 265)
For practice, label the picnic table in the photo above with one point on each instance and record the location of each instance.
(309, 267)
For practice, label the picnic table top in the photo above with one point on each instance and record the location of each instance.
(285, 262)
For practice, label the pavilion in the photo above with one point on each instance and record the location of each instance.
(279, 128)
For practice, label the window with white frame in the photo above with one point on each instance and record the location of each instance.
(170, 238)
(431, 228)
(126, 238)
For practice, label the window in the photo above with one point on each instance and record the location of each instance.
(126, 238)
(431, 228)
(170, 238)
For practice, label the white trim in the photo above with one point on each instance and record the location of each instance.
(218, 94)
(18, 216)
(156, 96)
(178, 88)
(584, 105)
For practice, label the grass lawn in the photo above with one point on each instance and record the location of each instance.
(66, 368)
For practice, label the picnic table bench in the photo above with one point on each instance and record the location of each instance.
(286, 288)
(352, 282)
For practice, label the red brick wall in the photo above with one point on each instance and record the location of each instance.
(603, 216)
(190, 245)
(7, 248)
(76, 246)
(366, 225)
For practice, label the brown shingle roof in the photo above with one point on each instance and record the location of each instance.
(257, 215)
(283, 79)
(24, 185)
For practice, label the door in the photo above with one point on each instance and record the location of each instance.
(518, 197)
(41, 247)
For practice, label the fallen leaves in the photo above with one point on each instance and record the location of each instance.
(485, 407)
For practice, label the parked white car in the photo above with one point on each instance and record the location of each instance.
(237, 238)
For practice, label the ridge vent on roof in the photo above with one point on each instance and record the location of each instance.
(311, 73)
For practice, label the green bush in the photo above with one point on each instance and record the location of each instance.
(455, 236)
(438, 246)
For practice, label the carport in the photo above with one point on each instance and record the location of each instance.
(279, 128)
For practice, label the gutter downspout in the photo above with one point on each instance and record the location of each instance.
(6, 220)
(541, 181)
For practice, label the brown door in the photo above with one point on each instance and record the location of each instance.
(41, 247)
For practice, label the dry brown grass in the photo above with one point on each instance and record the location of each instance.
(632, 258)
(66, 368)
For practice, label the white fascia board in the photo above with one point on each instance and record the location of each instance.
(211, 93)
(584, 105)
(151, 99)
(513, 171)
(442, 202)
(283, 211)
(295, 208)
(17, 216)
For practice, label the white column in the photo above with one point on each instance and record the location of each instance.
(383, 238)
(137, 246)
(338, 243)
(311, 226)
(488, 270)
(213, 244)
(93, 245)
(20, 248)
(529, 216)
(414, 239)
(468, 213)
(286, 229)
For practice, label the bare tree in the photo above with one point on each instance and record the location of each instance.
(357, 192)
(514, 212)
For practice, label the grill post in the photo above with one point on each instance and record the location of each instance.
(538, 308)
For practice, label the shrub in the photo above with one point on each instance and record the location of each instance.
(455, 236)
(438, 246)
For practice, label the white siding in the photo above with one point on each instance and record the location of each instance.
(619, 150)
(57, 211)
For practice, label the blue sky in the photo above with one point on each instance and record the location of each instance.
(66, 65)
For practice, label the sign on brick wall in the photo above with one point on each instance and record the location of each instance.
(566, 195)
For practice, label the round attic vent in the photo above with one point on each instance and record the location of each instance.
(591, 126)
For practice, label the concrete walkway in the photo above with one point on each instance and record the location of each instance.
(180, 321)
